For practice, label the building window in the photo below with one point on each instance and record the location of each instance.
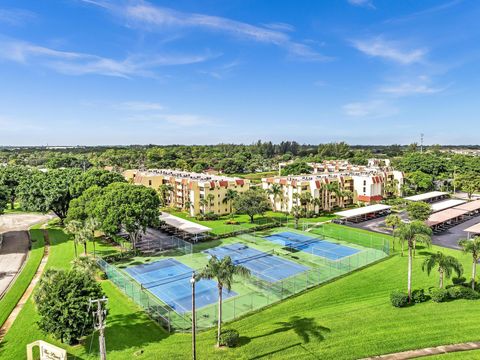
(364, 183)
(364, 190)
(149, 182)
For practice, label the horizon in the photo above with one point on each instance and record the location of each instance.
(180, 72)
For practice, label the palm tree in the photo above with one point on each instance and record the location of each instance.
(74, 228)
(472, 246)
(446, 264)
(275, 191)
(230, 195)
(317, 204)
(165, 191)
(296, 213)
(305, 200)
(222, 271)
(411, 233)
(203, 203)
(393, 221)
(91, 225)
(210, 198)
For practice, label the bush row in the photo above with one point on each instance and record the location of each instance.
(438, 295)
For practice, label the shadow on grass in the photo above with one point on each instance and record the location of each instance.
(270, 353)
(305, 328)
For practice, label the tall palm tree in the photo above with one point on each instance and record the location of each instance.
(305, 200)
(210, 199)
(297, 214)
(91, 225)
(472, 246)
(230, 195)
(74, 228)
(222, 271)
(416, 231)
(317, 204)
(203, 203)
(275, 191)
(393, 221)
(165, 191)
(446, 265)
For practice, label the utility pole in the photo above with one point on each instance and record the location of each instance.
(421, 142)
(194, 318)
(99, 321)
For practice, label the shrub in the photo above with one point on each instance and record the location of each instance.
(229, 338)
(418, 296)
(207, 216)
(232, 222)
(459, 280)
(399, 299)
(438, 295)
(463, 292)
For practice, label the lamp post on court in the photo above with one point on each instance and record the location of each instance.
(194, 318)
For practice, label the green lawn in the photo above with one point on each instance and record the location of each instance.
(220, 227)
(345, 319)
(8, 302)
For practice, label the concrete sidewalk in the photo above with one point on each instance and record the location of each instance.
(437, 350)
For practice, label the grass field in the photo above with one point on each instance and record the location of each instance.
(346, 319)
(8, 302)
(220, 227)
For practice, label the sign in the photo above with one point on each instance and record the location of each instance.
(47, 351)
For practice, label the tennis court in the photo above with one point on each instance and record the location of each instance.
(263, 265)
(312, 245)
(169, 280)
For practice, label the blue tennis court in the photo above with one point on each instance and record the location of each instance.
(263, 265)
(169, 280)
(312, 245)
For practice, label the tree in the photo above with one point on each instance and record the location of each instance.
(469, 183)
(305, 201)
(446, 265)
(129, 207)
(296, 168)
(203, 203)
(275, 191)
(83, 207)
(420, 181)
(3, 198)
(86, 265)
(74, 228)
(48, 191)
(210, 200)
(62, 300)
(419, 210)
(393, 221)
(222, 271)
(297, 214)
(411, 233)
(230, 196)
(10, 177)
(251, 202)
(95, 177)
(472, 246)
(165, 190)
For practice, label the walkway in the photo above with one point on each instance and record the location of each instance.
(412, 354)
(26, 295)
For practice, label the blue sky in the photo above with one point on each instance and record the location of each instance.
(202, 72)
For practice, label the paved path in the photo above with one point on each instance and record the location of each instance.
(13, 253)
(26, 295)
(437, 350)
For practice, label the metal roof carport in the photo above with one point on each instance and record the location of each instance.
(364, 213)
(428, 197)
(188, 229)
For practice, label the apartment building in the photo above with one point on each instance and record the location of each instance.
(194, 192)
(336, 166)
(333, 190)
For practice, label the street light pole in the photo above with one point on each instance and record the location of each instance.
(194, 318)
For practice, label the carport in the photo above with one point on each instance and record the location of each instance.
(429, 197)
(182, 227)
(446, 219)
(363, 213)
(446, 204)
(472, 207)
(473, 230)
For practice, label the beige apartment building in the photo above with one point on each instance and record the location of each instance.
(334, 190)
(194, 192)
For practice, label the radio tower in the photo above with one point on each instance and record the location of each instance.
(421, 142)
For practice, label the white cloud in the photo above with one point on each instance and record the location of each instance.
(15, 17)
(139, 106)
(74, 63)
(364, 3)
(147, 16)
(390, 50)
(370, 109)
(408, 88)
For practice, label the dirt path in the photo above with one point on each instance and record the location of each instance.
(26, 295)
(437, 350)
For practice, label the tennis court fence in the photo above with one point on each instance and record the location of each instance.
(260, 292)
